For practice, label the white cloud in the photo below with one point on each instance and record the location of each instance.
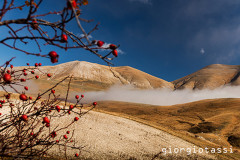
(161, 96)
(82, 35)
(202, 51)
(142, 1)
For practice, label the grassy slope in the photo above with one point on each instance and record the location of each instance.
(220, 114)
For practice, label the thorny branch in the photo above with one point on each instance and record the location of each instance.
(31, 28)
(29, 126)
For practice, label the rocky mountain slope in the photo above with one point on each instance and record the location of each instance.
(86, 71)
(92, 76)
(210, 77)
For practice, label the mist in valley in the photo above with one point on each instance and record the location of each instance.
(160, 96)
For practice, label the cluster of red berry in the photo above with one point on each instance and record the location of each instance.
(113, 47)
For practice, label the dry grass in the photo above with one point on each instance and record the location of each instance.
(212, 121)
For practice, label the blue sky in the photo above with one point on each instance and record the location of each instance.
(165, 38)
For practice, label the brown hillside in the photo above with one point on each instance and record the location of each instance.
(212, 123)
(210, 77)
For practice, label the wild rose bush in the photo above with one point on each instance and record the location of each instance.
(26, 128)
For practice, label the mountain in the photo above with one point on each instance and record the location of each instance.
(210, 77)
(95, 77)
(86, 72)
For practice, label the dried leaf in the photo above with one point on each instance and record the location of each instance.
(78, 12)
(35, 4)
(85, 2)
(20, 8)
(27, 3)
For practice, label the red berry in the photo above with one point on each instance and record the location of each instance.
(94, 103)
(54, 60)
(36, 76)
(112, 46)
(0, 105)
(53, 91)
(39, 97)
(31, 133)
(47, 125)
(46, 120)
(32, 72)
(24, 117)
(65, 136)
(68, 132)
(27, 64)
(115, 53)
(53, 54)
(82, 96)
(0, 114)
(57, 141)
(25, 74)
(26, 88)
(58, 107)
(8, 71)
(76, 119)
(40, 64)
(77, 96)
(58, 110)
(36, 64)
(23, 97)
(11, 66)
(49, 75)
(71, 107)
(8, 96)
(100, 43)
(23, 80)
(30, 98)
(3, 101)
(34, 25)
(64, 38)
(7, 77)
(76, 155)
(69, 112)
(72, 4)
(53, 134)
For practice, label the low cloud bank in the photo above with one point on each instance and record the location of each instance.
(160, 96)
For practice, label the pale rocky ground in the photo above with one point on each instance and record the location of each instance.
(106, 137)
(110, 137)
